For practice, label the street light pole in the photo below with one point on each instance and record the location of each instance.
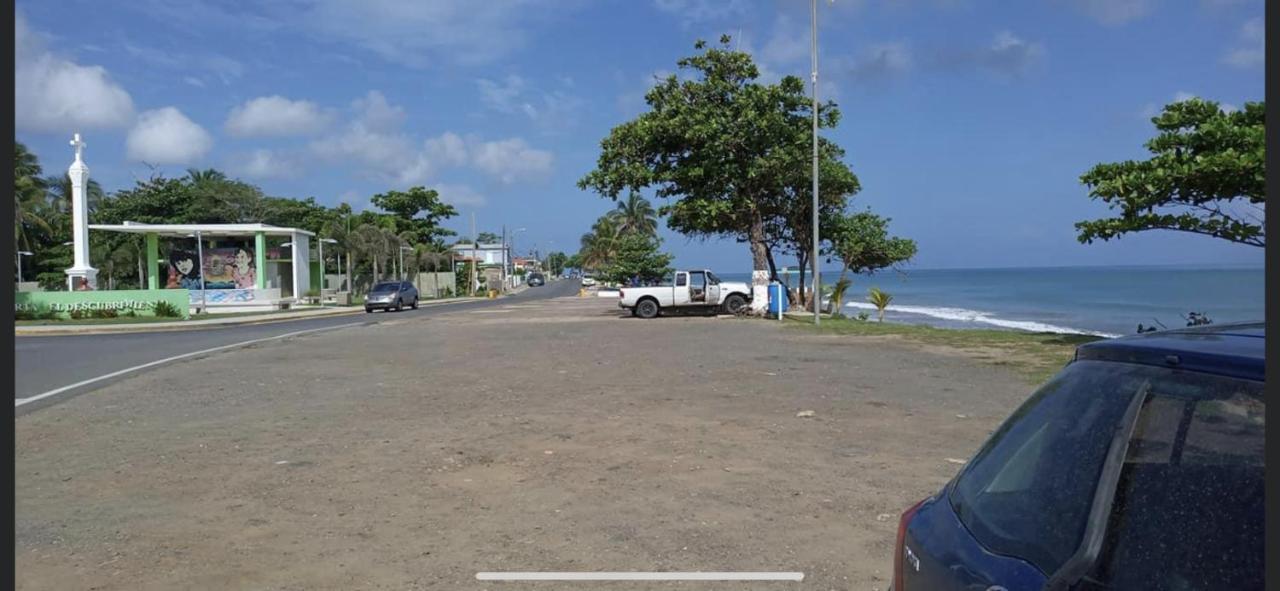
(200, 256)
(817, 280)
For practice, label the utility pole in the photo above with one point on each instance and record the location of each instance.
(474, 245)
(817, 281)
(504, 257)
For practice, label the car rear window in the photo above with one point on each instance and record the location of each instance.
(384, 287)
(1028, 491)
(1195, 466)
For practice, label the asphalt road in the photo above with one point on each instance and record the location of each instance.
(47, 363)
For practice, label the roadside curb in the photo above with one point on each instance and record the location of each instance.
(31, 331)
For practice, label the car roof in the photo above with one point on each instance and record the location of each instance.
(1236, 350)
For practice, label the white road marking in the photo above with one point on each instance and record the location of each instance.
(640, 576)
(21, 401)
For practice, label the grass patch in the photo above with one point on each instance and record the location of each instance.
(135, 319)
(1035, 356)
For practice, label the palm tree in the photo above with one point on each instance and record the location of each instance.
(367, 242)
(636, 214)
(837, 295)
(597, 246)
(206, 176)
(880, 300)
(60, 194)
(28, 196)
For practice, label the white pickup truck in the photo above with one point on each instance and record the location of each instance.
(686, 290)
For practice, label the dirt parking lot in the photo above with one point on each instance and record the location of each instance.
(542, 436)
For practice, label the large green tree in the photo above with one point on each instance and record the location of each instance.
(789, 226)
(711, 141)
(419, 210)
(862, 244)
(1206, 176)
(638, 257)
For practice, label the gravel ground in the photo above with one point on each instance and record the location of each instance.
(542, 436)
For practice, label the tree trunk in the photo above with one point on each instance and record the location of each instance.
(773, 266)
(802, 259)
(759, 254)
(142, 280)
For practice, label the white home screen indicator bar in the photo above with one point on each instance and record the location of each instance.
(639, 576)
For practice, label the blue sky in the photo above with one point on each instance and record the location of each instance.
(967, 122)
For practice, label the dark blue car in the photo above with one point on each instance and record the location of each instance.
(1139, 466)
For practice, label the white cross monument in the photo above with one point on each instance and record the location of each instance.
(80, 271)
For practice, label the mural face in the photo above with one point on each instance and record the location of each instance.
(184, 270)
(223, 268)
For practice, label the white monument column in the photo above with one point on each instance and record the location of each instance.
(80, 268)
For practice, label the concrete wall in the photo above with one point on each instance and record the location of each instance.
(140, 302)
(427, 283)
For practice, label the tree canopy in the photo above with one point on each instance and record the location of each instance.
(719, 144)
(1206, 176)
(862, 243)
(369, 239)
(421, 210)
(637, 257)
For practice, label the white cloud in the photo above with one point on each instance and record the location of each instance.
(380, 154)
(376, 113)
(1010, 54)
(166, 136)
(220, 66)
(511, 160)
(447, 149)
(1115, 12)
(788, 43)
(275, 115)
(459, 195)
(881, 61)
(501, 96)
(192, 80)
(552, 111)
(57, 95)
(390, 155)
(1249, 50)
(1153, 110)
(418, 34)
(266, 164)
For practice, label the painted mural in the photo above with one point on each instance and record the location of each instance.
(223, 268)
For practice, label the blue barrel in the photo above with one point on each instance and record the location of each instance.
(777, 297)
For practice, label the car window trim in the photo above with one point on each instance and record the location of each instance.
(1086, 554)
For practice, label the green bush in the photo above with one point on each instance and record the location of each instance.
(78, 314)
(164, 309)
(104, 313)
(25, 314)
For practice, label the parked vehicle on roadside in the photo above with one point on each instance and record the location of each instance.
(535, 279)
(696, 290)
(1139, 466)
(588, 281)
(391, 295)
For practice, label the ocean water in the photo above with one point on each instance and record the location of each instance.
(1104, 301)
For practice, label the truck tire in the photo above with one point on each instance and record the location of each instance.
(734, 304)
(647, 309)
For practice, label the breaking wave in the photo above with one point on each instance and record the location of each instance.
(963, 315)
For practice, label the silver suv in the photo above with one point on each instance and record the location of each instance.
(391, 295)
